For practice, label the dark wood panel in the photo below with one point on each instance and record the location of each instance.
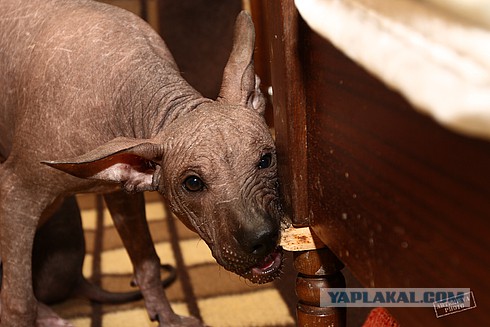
(401, 200)
(289, 103)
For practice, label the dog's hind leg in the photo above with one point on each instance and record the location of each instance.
(58, 254)
(20, 211)
(57, 261)
(54, 272)
(46, 317)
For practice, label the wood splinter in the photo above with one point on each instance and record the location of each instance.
(300, 239)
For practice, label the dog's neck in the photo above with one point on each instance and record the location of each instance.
(154, 102)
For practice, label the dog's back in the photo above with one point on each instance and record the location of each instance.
(58, 66)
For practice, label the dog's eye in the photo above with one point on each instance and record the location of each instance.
(193, 184)
(265, 161)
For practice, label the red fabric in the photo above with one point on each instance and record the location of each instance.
(380, 317)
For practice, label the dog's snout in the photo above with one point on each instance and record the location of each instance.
(265, 243)
(259, 242)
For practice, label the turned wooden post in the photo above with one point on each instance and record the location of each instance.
(282, 36)
(318, 268)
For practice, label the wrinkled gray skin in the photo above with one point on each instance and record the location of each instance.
(92, 101)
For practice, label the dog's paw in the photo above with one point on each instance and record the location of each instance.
(46, 317)
(177, 321)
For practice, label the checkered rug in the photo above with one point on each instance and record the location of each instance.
(202, 289)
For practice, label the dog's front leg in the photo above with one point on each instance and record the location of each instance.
(128, 214)
(18, 221)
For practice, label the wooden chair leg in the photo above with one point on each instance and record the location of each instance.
(318, 269)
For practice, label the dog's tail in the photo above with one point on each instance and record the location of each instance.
(94, 293)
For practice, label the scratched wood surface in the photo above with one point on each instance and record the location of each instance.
(289, 102)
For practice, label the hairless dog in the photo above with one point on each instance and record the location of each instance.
(91, 100)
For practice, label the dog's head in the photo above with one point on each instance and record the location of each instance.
(216, 166)
(220, 177)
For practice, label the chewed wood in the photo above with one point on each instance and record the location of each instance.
(300, 239)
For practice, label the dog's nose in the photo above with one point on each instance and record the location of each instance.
(260, 242)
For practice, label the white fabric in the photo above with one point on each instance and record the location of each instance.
(441, 64)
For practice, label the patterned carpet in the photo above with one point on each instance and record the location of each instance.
(202, 289)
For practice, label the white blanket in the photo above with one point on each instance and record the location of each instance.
(439, 61)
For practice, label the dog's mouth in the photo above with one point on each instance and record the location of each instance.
(267, 269)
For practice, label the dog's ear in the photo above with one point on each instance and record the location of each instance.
(131, 162)
(240, 84)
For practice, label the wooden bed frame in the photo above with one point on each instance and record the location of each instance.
(397, 199)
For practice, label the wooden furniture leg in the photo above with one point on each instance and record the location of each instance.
(318, 269)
